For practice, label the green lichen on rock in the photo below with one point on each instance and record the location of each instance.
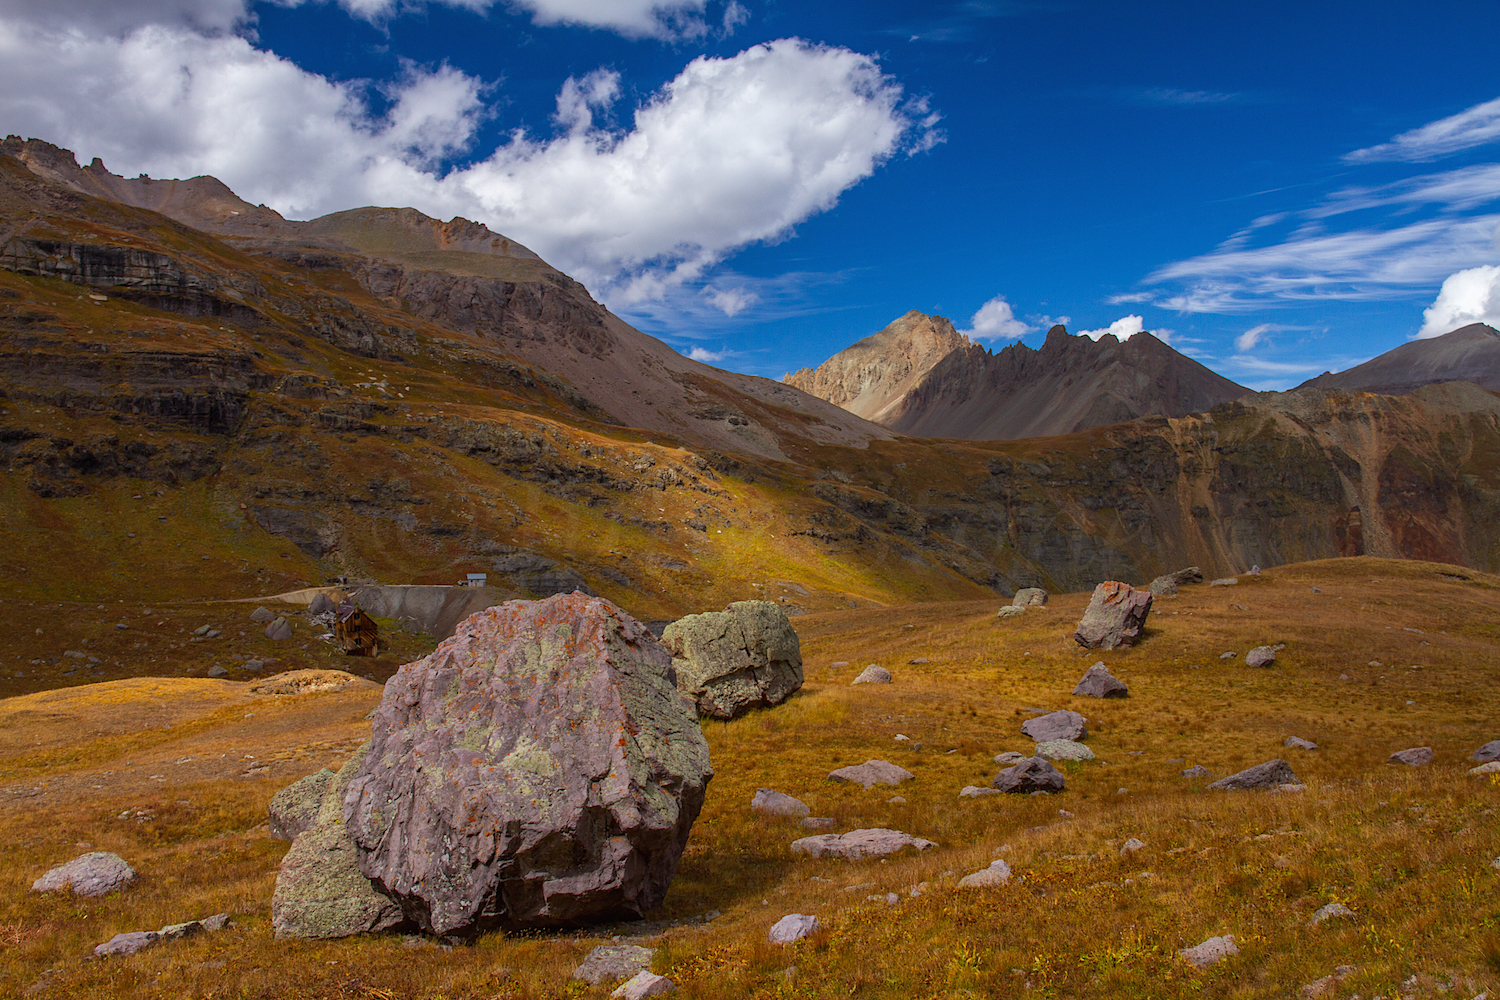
(728, 662)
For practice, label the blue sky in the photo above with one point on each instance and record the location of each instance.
(1282, 188)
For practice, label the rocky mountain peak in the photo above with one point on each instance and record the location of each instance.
(1468, 354)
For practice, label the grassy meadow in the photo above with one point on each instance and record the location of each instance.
(174, 773)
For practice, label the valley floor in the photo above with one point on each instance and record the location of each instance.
(174, 772)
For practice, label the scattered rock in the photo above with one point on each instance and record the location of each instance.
(294, 808)
(901, 738)
(262, 615)
(321, 604)
(1009, 757)
(871, 773)
(295, 682)
(1299, 743)
(1063, 750)
(856, 844)
(916, 660)
(974, 792)
(1009, 610)
(1329, 912)
(1201, 956)
(1063, 725)
(217, 671)
(1098, 682)
(1029, 597)
(1162, 586)
(1115, 616)
(1228, 654)
(279, 630)
(1168, 583)
(1260, 656)
(1030, 775)
(774, 803)
(816, 823)
(97, 873)
(501, 752)
(1415, 757)
(1490, 751)
(873, 674)
(189, 928)
(254, 666)
(996, 875)
(642, 985)
(126, 944)
(1131, 846)
(610, 963)
(1328, 986)
(792, 928)
(897, 800)
(1317, 590)
(1488, 767)
(1271, 774)
(728, 662)
(320, 891)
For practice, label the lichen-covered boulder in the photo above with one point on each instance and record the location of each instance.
(320, 891)
(97, 873)
(539, 768)
(728, 662)
(294, 808)
(1115, 616)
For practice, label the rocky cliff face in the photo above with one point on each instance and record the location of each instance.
(905, 380)
(1468, 354)
(873, 378)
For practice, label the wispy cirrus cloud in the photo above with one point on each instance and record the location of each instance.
(1188, 98)
(1475, 126)
(1454, 190)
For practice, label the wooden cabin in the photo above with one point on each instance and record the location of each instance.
(356, 632)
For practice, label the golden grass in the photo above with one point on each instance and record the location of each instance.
(1409, 850)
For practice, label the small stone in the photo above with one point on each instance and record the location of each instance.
(792, 928)
(1064, 814)
(1031, 775)
(856, 844)
(254, 666)
(1228, 654)
(974, 792)
(896, 800)
(1009, 757)
(1028, 597)
(916, 660)
(902, 738)
(1271, 774)
(996, 875)
(1489, 767)
(1329, 912)
(644, 984)
(773, 803)
(1131, 846)
(873, 674)
(279, 630)
(1490, 751)
(1201, 956)
(97, 873)
(816, 823)
(1063, 750)
(1009, 610)
(1098, 682)
(217, 671)
(610, 963)
(1321, 989)
(1414, 757)
(1317, 590)
(1299, 743)
(126, 944)
(1260, 656)
(262, 615)
(1063, 725)
(1224, 581)
(871, 773)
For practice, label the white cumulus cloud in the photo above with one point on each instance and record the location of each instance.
(706, 356)
(731, 301)
(1469, 296)
(1251, 337)
(1471, 127)
(1122, 329)
(996, 321)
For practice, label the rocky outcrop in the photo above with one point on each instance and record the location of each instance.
(728, 662)
(295, 807)
(1115, 617)
(539, 768)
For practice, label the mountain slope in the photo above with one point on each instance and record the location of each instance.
(1469, 354)
(898, 379)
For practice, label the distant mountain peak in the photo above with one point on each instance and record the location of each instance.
(1468, 354)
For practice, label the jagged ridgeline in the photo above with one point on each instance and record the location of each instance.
(201, 397)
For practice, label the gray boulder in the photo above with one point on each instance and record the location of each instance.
(1201, 956)
(873, 674)
(1010, 610)
(97, 873)
(1031, 775)
(1168, 583)
(1270, 775)
(728, 662)
(320, 604)
(1062, 725)
(1162, 586)
(1261, 656)
(774, 803)
(1029, 597)
(262, 615)
(279, 630)
(1098, 682)
(1197, 772)
(1225, 581)
(1063, 750)
(1490, 751)
(857, 844)
(1331, 911)
(1299, 743)
(126, 944)
(610, 963)
(871, 773)
(294, 808)
(642, 985)
(1115, 616)
(996, 875)
(1415, 757)
(320, 891)
(539, 768)
(793, 927)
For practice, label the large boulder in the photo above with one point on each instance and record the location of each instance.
(294, 808)
(1098, 682)
(1031, 775)
(320, 891)
(871, 773)
(1115, 616)
(1060, 725)
(321, 604)
(1270, 775)
(539, 768)
(97, 873)
(1167, 584)
(728, 662)
(1029, 597)
(1490, 751)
